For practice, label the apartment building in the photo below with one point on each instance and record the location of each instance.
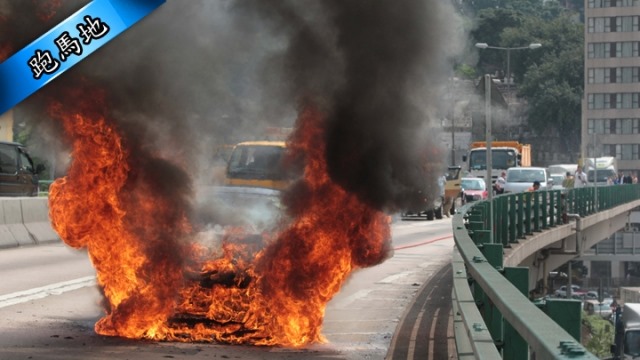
(611, 106)
(611, 121)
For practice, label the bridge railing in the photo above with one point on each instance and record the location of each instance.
(491, 301)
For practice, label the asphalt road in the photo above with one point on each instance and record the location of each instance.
(397, 310)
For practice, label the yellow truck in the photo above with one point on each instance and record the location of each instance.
(253, 181)
(452, 188)
(257, 164)
(504, 155)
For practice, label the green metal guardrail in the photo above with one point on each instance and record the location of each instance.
(491, 301)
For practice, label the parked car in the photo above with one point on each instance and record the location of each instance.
(18, 175)
(576, 292)
(593, 295)
(473, 189)
(520, 179)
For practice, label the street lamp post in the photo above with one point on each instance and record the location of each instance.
(489, 135)
(452, 116)
(508, 49)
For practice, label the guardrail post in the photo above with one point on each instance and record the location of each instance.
(494, 254)
(515, 347)
(481, 237)
(513, 207)
(497, 231)
(493, 318)
(554, 207)
(581, 196)
(527, 211)
(569, 201)
(502, 227)
(520, 222)
(567, 313)
(545, 209)
(536, 210)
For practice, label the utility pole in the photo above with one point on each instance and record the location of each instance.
(452, 117)
(489, 160)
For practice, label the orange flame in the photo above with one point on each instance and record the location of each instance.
(270, 289)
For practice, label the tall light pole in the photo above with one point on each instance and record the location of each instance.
(488, 152)
(452, 115)
(508, 50)
(489, 135)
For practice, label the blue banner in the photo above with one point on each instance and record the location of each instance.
(66, 44)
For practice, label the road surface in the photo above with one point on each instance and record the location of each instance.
(397, 310)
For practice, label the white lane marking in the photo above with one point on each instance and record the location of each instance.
(414, 337)
(393, 278)
(432, 333)
(44, 291)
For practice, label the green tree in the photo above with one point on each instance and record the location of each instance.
(491, 24)
(522, 5)
(549, 78)
(466, 72)
(552, 79)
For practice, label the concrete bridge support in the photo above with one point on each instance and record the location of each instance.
(543, 252)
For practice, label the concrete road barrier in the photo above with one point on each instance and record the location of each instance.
(25, 221)
(35, 216)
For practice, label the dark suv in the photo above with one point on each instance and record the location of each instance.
(18, 176)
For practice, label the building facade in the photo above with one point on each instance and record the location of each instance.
(611, 105)
(611, 124)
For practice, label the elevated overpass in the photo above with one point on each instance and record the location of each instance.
(500, 258)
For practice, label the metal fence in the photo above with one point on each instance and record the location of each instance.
(499, 302)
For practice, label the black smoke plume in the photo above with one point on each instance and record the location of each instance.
(198, 74)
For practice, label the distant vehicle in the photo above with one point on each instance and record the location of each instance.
(563, 169)
(557, 274)
(576, 292)
(504, 155)
(627, 335)
(630, 295)
(558, 180)
(255, 176)
(452, 186)
(605, 167)
(521, 179)
(593, 295)
(594, 307)
(18, 175)
(473, 189)
(257, 164)
(432, 210)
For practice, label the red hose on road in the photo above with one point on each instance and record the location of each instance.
(423, 243)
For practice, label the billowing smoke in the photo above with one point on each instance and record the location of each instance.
(198, 74)
(376, 68)
(147, 111)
